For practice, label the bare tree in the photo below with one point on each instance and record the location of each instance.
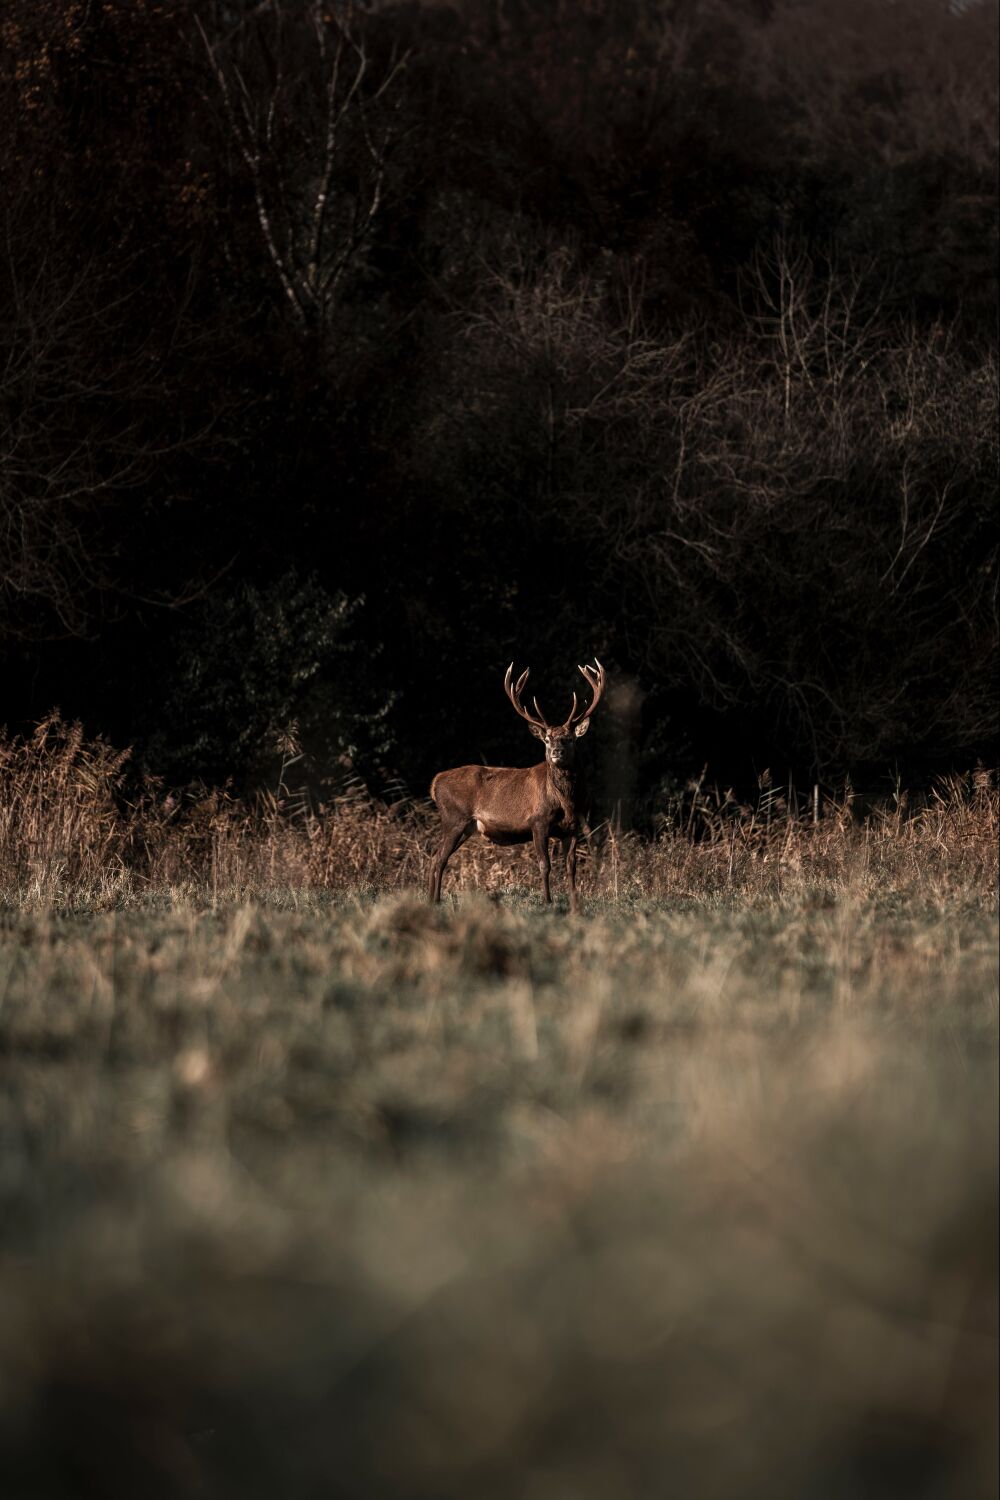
(86, 424)
(796, 510)
(313, 128)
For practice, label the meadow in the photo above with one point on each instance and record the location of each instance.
(309, 1189)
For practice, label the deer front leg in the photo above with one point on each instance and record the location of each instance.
(540, 835)
(569, 853)
(453, 838)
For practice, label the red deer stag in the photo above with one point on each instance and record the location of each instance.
(510, 805)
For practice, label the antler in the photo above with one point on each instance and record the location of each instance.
(513, 691)
(594, 677)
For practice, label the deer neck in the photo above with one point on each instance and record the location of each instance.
(561, 786)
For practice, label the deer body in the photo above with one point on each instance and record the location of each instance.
(514, 805)
(506, 802)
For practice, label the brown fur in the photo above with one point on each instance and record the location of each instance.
(507, 805)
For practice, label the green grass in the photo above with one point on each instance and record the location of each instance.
(320, 1196)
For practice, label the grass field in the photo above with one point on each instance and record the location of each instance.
(310, 1190)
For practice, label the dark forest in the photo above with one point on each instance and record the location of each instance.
(349, 353)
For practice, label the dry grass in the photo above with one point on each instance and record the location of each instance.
(69, 837)
(311, 1190)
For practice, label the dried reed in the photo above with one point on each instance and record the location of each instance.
(71, 832)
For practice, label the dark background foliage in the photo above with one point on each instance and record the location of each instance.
(346, 354)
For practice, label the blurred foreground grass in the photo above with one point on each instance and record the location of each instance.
(331, 1197)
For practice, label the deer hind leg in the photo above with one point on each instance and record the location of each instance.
(569, 855)
(540, 836)
(453, 838)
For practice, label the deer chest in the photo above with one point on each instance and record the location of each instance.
(563, 816)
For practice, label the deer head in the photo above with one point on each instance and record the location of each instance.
(559, 739)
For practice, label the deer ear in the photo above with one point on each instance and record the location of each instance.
(538, 733)
(581, 728)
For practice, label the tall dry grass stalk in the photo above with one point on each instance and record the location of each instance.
(71, 833)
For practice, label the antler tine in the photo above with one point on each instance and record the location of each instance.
(571, 713)
(513, 691)
(541, 716)
(595, 681)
